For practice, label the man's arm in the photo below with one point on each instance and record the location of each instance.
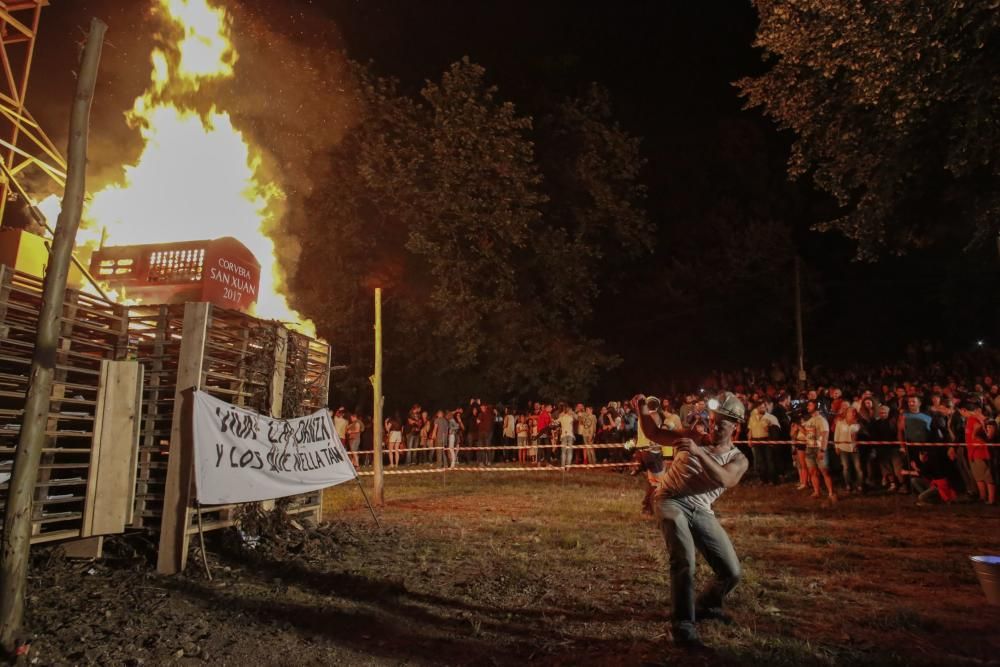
(728, 475)
(652, 430)
(824, 436)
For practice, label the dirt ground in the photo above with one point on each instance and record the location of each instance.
(505, 569)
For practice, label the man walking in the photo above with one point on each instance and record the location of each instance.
(704, 467)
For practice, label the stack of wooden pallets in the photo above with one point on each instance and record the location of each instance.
(110, 459)
(238, 358)
(93, 331)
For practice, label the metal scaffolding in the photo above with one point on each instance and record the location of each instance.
(23, 143)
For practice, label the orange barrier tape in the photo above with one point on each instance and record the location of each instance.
(549, 445)
(427, 471)
(864, 443)
(479, 448)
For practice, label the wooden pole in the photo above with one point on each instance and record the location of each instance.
(798, 326)
(17, 517)
(379, 399)
(171, 557)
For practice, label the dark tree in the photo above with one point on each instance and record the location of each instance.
(894, 107)
(440, 199)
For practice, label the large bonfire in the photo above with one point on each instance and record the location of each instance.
(197, 176)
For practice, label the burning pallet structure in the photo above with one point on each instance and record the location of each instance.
(117, 456)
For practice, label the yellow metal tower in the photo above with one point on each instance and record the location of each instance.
(23, 143)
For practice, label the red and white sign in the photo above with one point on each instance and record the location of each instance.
(230, 275)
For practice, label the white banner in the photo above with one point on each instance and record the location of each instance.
(242, 456)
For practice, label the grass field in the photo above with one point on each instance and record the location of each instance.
(530, 568)
(569, 572)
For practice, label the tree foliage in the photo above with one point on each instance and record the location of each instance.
(441, 199)
(894, 106)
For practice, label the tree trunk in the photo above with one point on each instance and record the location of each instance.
(17, 518)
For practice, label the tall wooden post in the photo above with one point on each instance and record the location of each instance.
(377, 388)
(172, 554)
(17, 517)
(798, 326)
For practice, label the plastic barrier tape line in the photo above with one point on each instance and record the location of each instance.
(243, 456)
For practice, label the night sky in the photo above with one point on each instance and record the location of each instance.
(669, 67)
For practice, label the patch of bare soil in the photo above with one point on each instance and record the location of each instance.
(505, 569)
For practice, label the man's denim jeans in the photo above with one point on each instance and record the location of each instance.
(567, 450)
(684, 530)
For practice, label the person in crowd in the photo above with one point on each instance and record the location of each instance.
(394, 431)
(784, 455)
(629, 423)
(914, 425)
(484, 434)
(845, 441)
(889, 456)
(960, 454)
(686, 407)
(669, 419)
(426, 455)
(759, 432)
(544, 419)
(340, 423)
(533, 438)
(867, 413)
(817, 430)
(586, 422)
(979, 453)
(929, 477)
(439, 435)
(522, 431)
(799, 436)
(411, 431)
(509, 430)
(353, 432)
(606, 425)
(555, 434)
(456, 427)
(567, 434)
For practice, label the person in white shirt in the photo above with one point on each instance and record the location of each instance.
(340, 423)
(567, 438)
(845, 441)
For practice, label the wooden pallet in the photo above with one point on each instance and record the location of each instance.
(93, 332)
(238, 358)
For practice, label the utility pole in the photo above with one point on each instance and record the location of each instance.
(379, 399)
(798, 326)
(17, 517)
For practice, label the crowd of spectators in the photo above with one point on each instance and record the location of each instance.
(911, 428)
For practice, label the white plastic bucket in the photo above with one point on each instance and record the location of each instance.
(988, 570)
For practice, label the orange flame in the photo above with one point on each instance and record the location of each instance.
(197, 176)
